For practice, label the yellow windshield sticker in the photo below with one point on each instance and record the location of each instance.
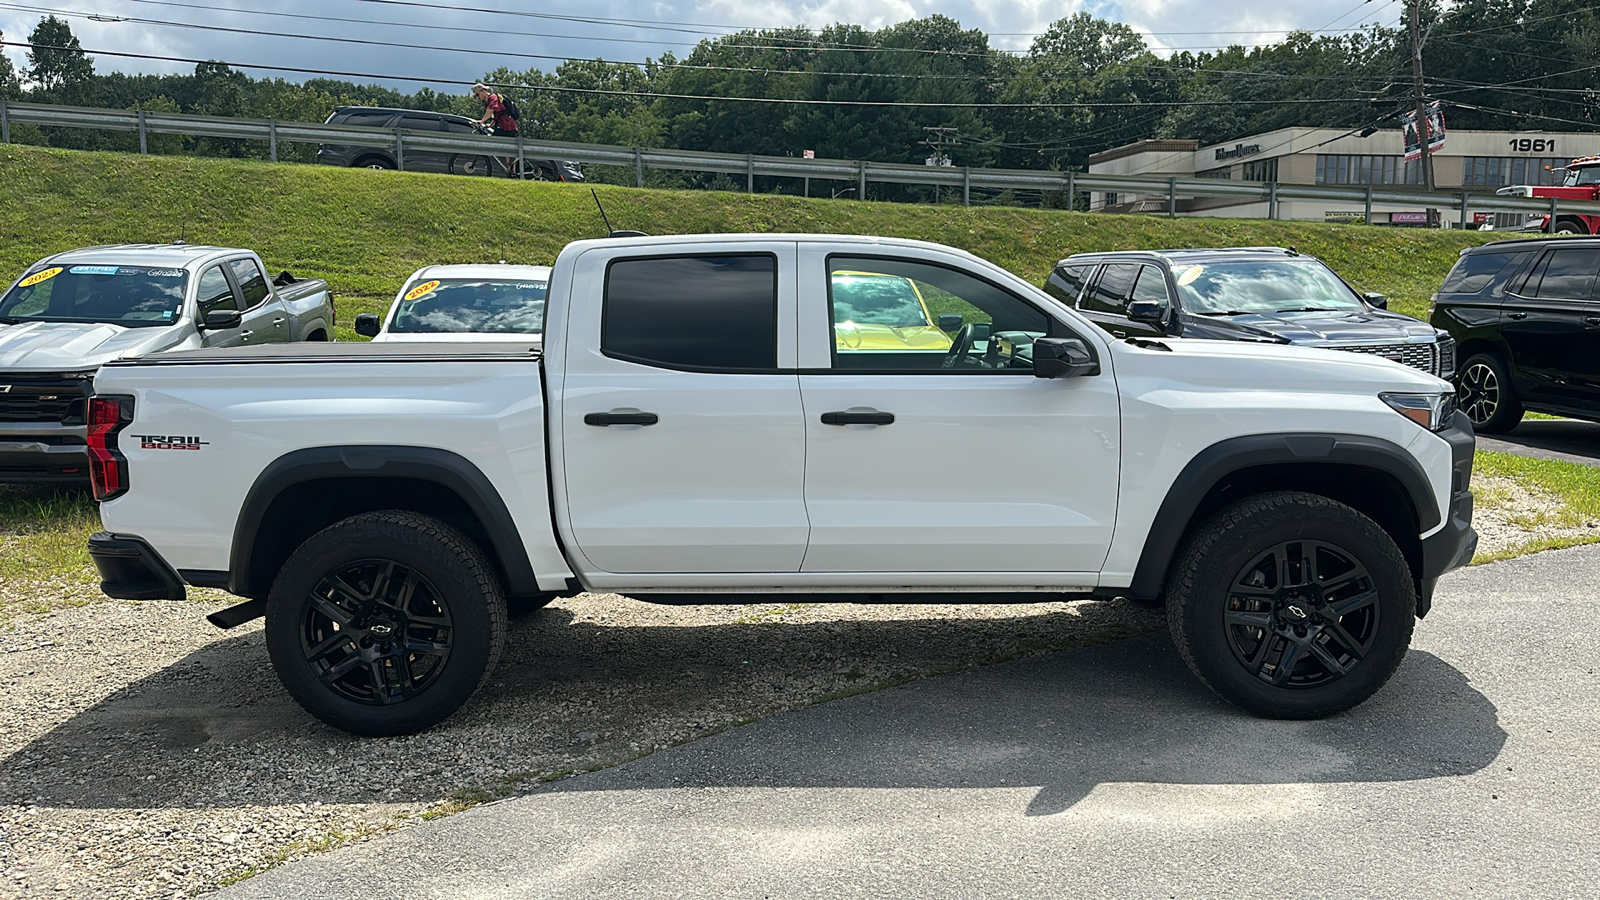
(1190, 274)
(424, 288)
(37, 277)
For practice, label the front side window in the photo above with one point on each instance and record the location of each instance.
(214, 293)
(472, 306)
(252, 284)
(1262, 286)
(131, 296)
(1152, 285)
(900, 315)
(716, 313)
(1110, 292)
(1568, 274)
(418, 123)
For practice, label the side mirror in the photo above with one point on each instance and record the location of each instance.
(1063, 358)
(1148, 311)
(1376, 301)
(221, 320)
(367, 325)
(950, 321)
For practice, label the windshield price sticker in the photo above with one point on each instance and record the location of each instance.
(93, 270)
(424, 288)
(1191, 274)
(37, 277)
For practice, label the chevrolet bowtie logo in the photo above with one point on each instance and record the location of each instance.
(5, 388)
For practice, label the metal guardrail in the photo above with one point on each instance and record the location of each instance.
(862, 172)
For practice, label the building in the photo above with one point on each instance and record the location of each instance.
(1474, 161)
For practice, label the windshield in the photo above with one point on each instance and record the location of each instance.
(865, 298)
(1267, 285)
(132, 296)
(1585, 175)
(472, 306)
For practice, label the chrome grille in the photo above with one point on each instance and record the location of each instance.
(1417, 356)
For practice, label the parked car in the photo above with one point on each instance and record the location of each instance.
(1526, 315)
(1265, 294)
(69, 313)
(452, 303)
(379, 156)
(690, 432)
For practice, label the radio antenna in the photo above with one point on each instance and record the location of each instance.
(610, 232)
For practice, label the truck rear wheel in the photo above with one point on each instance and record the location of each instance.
(385, 623)
(1291, 605)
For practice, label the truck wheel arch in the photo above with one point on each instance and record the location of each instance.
(349, 480)
(1568, 225)
(1373, 475)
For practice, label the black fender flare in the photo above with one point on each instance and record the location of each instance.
(1211, 465)
(442, 467)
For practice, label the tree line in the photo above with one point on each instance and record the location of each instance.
(1084, 85)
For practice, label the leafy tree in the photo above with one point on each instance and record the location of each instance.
(56, 60)
(10, 88)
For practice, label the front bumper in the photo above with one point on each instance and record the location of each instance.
(1453, 545)
(42, 452)
(131, 569)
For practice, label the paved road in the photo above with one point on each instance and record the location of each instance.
(1103, 772)
(1565, 439)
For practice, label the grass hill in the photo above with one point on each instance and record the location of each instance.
(365, 231)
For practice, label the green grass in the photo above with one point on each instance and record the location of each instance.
(1575, 485)
(44, 532)
(365, 231)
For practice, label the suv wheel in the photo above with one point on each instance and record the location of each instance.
(372, 162)
(1291, 605)
(385, 623)
(1484, 393)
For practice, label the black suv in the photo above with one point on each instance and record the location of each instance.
(1266, 294)
(379, 157)
(1526, 315)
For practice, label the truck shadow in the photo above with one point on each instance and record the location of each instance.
(215, 730)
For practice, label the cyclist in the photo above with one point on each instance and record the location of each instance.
(500, 111)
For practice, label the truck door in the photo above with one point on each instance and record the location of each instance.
(266, 319)
(1552, 327)
(213, 292)
(952, 460)
(681, 433)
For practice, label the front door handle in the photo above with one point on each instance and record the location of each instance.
(1516, 315)
(1591, 320)
(858, 417)
(621, 417)
(279, 321)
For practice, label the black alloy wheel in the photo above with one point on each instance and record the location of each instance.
(1301, 615)
(1291, 605)
(377, 632)
(1484, 393)
(385, 623)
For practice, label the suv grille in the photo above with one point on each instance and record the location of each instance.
(1418, 356)
(30, 398)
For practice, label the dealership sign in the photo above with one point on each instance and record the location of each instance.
(1237, 150)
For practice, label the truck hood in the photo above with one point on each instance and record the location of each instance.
(72, 346)
(1311, 328)
(1240, 365)
(855, 336)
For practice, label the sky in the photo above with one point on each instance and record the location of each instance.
(545, 32)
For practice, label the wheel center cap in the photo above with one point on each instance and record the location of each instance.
(381, 629)
(1294, 612)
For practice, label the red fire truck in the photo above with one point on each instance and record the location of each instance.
(1582, 182)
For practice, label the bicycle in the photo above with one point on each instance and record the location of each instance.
(487, 166)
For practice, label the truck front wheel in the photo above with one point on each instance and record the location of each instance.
(385, 623)
(1291, 605)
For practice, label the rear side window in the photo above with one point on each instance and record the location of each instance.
(418, 123)
(1476, 271)
(702, 313)
(363, 119)
(252, 284)
(1066, 283)
(1110, 292)
(1568, 274)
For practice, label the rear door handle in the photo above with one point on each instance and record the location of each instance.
(1591, 320)
(279, 321)
(620, 417)
(858, 417)
(1516, 315)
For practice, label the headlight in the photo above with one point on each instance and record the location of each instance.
(1431, 411)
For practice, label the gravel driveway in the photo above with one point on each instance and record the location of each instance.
(146, 753)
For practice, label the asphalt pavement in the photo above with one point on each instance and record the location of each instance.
(1564, 439)
(1101, 772)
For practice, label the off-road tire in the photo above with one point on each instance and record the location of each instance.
(450, 581)
(1205, 576)
(1485, 381)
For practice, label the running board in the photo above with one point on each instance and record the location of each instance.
(238, 614)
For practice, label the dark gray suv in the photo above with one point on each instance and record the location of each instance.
(383, 157)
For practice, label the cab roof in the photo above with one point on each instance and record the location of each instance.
(1190, 255)
(173, 256)
(484, 271)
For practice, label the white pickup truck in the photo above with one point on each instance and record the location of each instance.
(69, 313)
(702, 425)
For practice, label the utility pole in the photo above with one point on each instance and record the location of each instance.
(938, 138)
(1419, 91)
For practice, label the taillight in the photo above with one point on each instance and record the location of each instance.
(108, 468)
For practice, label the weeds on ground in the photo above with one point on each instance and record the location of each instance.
(44, 535)
(1574, 489)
